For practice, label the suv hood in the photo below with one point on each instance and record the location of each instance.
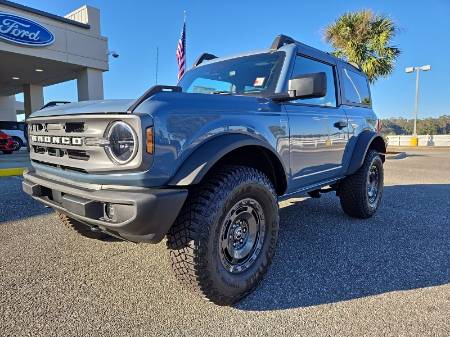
(163, 102)
(86, 107)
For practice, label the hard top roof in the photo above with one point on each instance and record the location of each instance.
(280, 43)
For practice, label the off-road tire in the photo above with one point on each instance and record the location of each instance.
(194, 238)
(81, 228)
(353, 190)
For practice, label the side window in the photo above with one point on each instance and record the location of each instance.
(304, 65)
(356, 88)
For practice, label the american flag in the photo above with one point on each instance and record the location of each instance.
(181, 53)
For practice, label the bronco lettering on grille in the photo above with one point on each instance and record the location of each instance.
(74, 141)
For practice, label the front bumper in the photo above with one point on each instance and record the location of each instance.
(139, 215)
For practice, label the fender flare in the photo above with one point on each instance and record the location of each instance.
(206, 155)
(364, 141)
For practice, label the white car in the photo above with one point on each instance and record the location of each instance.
(16, 130)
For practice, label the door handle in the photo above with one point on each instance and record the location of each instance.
(340, 125)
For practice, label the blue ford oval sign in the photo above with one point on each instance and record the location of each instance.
(24, 31)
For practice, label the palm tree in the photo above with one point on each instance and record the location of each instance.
(364, 38)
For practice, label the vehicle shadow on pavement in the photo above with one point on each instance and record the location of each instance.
(326, 257)
(15, 203)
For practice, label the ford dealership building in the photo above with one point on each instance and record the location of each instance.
(39, 49)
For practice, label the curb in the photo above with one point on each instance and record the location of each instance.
(14, 171)
(399, 155)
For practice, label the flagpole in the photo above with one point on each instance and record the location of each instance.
(185, 47)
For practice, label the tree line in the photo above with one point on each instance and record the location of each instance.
(426, 126)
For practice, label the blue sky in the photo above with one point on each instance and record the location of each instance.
(136, 28)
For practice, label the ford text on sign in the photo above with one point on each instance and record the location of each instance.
(24, 31)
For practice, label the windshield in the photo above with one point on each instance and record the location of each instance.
(255, 74)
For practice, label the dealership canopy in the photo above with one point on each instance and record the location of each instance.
(38, 49)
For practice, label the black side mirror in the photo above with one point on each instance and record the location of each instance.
(308, 86)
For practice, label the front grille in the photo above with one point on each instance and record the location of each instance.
(55, 152)
(74, 127)
(60, 166)
(77, 154)
(39, 149)
(3, 141)
(75, 142)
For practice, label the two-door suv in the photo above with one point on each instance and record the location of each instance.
(206, 162)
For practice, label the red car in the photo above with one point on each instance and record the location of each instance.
(6, 143)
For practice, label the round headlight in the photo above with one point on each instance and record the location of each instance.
(123, 143)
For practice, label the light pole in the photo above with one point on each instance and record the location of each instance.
(416, 104)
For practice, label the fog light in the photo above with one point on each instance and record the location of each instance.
(110, 211)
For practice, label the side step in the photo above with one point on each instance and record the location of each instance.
(317, 193)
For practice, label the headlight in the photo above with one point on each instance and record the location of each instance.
(123, 143)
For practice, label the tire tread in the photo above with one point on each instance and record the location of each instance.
(187, 238)
(352, 190)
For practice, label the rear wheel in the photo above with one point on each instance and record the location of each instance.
(82, 229)
(223, 241)
(360, 194)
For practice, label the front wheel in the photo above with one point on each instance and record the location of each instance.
(18, 143)
(223, 241)
(360, 194)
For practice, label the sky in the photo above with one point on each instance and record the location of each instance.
(136, 28)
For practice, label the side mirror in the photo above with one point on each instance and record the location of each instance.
(308, 86)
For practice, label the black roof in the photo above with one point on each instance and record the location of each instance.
(282, 40)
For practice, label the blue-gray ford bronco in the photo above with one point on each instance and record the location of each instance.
(204, 163)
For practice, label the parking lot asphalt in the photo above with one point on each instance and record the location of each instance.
(19, 158)
(332, 275)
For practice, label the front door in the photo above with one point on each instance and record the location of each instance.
(318, 129)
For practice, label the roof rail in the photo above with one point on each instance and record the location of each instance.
(280, 41)
(204, 57)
